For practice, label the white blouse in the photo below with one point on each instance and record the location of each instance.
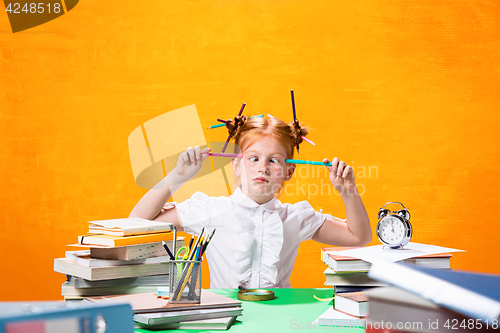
(254, 245)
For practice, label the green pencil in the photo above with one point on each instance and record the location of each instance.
(307, 162)
(220, 125)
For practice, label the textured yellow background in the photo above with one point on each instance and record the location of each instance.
(409, 88)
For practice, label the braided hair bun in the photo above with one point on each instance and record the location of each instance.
(235, 125)
(297, 133)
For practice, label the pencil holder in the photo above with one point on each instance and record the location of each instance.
(185, 281)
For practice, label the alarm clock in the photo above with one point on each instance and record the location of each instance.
(394, 228)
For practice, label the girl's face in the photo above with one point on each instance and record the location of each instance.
(262, 169)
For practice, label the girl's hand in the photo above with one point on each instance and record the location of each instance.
(342, 177)
(190, 162)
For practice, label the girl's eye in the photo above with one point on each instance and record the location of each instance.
(274, 160)
(254, 159)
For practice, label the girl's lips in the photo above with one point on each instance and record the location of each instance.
(260, 180)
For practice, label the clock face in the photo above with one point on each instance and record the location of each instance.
(392, 230)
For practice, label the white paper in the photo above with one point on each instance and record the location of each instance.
(379, 252)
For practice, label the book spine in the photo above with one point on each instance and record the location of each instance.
(151, 238)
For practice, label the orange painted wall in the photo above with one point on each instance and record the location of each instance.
(410, 89)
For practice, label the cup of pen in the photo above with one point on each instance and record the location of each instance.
(185, 281)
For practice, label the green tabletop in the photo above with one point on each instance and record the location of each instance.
(292, 310)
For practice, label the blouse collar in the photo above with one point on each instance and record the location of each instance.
(243, 200)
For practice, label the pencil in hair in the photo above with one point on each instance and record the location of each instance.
(229, 137)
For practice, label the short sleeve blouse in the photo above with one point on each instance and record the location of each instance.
(254, 245)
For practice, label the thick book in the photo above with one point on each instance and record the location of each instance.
(149, 280)
(207, 324)
(159, 318)
(354, 304)
(132, 252)
(82, 257)
(114, 241)
(359, 279)
(351, 289)
(349, 264)
(128, 227)
(66, 266)
(404, 311)
(472, 294)
(145, 303)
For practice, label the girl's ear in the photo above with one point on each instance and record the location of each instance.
(236, 167)
(289, 172)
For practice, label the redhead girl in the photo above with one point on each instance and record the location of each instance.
(257, 235)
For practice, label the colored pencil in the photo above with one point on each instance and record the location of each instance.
(224, 155)
(168, 250)
(174, 236)
(229, 137)
(306, 139)
(307, 162)
(286, 161)
(303, 137)
(222, 125)
(293, 107)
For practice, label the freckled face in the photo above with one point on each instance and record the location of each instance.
(262, 169)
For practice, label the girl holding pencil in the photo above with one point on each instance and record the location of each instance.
(257, 235)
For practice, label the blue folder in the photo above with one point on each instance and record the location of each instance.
(68, 317)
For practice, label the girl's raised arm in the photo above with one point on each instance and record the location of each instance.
(151, 204)
(357, 230)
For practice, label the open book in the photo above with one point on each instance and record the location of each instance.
(128, 227)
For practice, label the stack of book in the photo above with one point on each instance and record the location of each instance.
(349, 309)
(348, 274)
(429, 300)
(214, 312)
(126, 256)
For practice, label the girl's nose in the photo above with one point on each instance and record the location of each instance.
(263, 167)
